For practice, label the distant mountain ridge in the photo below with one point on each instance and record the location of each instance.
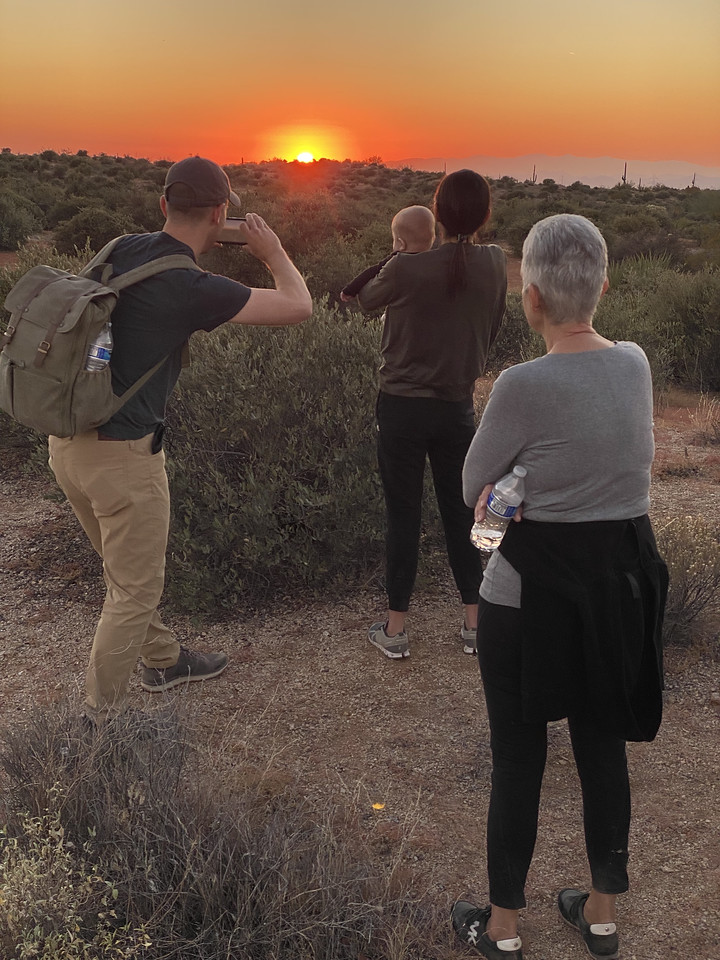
(566, 169)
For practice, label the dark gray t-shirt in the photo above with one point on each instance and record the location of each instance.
(153, 319)
(582, 426)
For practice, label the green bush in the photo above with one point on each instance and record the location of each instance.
(516, 341)
(675, 317)
(18, 219)
(94, 226)
(272, 460)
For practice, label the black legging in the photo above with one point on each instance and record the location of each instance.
(411, 429)
(519, 750)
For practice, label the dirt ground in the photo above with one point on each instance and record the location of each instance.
(308, 701)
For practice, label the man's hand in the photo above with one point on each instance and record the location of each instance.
(260, 240)
(290, 301)
(345, 298)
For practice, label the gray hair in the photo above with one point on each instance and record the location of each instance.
(565, 257)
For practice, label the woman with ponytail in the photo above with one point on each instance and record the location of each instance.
(443, 310)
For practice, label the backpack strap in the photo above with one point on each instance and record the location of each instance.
(102, 256)
(177, 261)
(131, 391)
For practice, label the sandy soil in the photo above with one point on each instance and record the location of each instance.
(307, 700)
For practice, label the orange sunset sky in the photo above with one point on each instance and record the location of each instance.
(255, 79)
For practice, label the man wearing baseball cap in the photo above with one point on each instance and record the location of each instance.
(197, 182)
(114, 477)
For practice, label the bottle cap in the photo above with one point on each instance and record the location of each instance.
(519, 471)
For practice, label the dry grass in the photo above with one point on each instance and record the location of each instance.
(706, 419)
(121, 830)
(691, 549)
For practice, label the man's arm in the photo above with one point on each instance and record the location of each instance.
(290, 301)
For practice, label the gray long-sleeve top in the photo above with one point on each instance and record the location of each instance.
(581, 424)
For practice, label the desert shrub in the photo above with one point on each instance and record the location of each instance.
(691, 549)
(515, 218)
(30, 256)
(675, 317)
(333, 263)
(54, 902)
(624, 316)
(19, 218)
(272, 461)
(640, 232)
(94, 226)
(706, 419)
(117, 844)
(516, 342)
(64, 210)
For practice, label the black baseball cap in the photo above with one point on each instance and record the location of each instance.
(198, 182)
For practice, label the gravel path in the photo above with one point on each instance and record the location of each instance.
(306, 700)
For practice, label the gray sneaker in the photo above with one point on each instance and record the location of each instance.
(395, 647)
(601, 939)
(469, 637)
(190, 665)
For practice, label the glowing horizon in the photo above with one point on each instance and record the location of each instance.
(639, 81)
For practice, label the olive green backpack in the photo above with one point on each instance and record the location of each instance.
(54, 318)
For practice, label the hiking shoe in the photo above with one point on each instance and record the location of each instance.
(395, 647)
(470, 924)
(469, 635)
(190, 665)
(601, 939)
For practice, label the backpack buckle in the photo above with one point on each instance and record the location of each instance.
(42, 352)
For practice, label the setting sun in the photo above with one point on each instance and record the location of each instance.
(305, 143)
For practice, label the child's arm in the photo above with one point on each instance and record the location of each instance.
(355, 286)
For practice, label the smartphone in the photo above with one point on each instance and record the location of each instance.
(230, 232)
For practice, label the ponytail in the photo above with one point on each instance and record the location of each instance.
(462, 206)
(457, 271)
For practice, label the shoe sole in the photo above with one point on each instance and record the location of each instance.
(389, 653)
(595, 956)
(472, 650)
(180, 680)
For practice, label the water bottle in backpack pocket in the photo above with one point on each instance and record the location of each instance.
(100, 350)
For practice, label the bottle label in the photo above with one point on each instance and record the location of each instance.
(99, 353)
(498, 508)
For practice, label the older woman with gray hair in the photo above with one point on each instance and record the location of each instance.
(571, 603)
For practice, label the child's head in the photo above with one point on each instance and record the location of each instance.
(413, 230)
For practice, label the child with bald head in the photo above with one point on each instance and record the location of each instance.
(413, 231)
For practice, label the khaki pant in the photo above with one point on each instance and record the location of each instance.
(119, 492)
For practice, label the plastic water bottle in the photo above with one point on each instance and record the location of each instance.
(100, 350)
(505, 497)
